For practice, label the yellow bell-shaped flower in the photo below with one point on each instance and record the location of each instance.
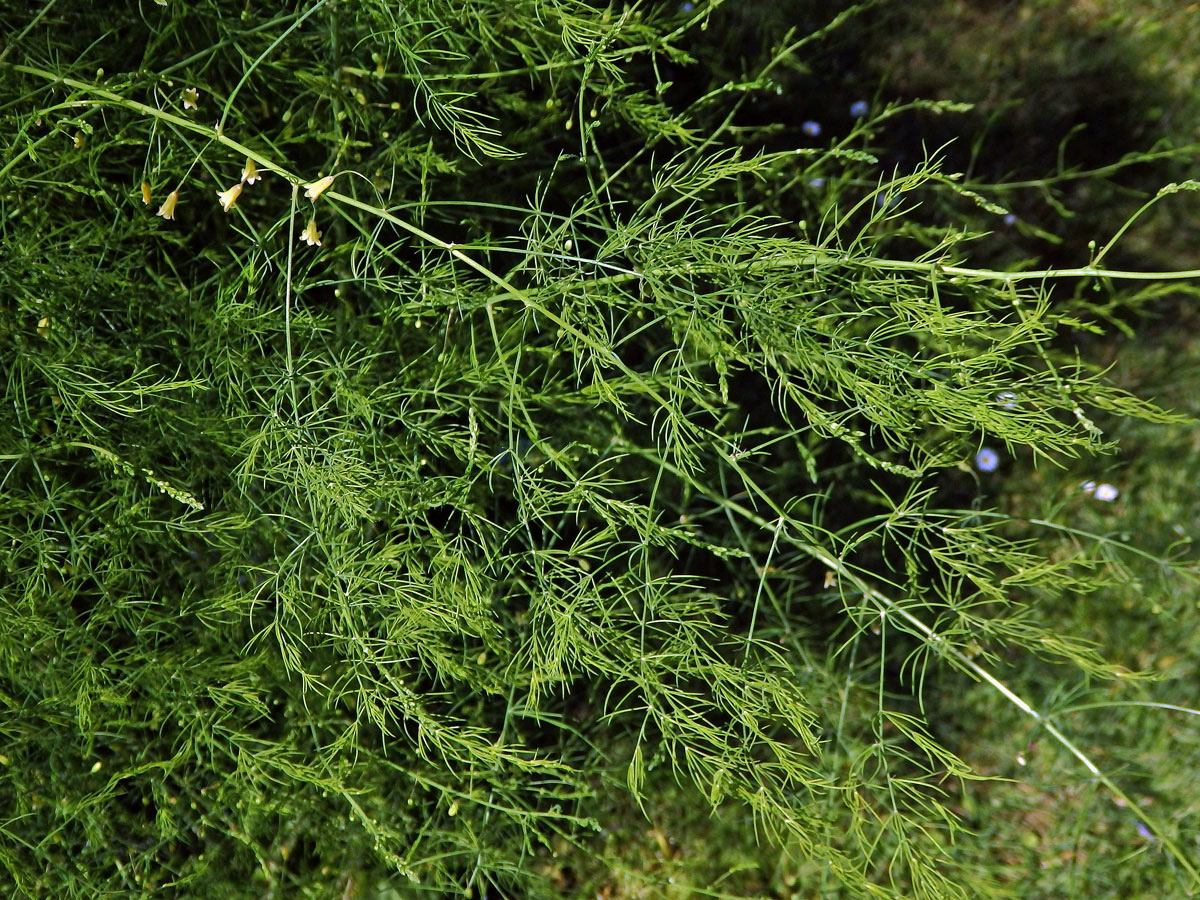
(229, 198)
(318, 187)
(310, 235)
(167, 210)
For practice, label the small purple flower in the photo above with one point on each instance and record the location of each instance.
(1106, 492)
(811, 128)
(817, 183)
(987, 459)
(1144, 831)
(1007, 399)
(686, 7)
(859, 108)
(1010, 219)
(1088, 487)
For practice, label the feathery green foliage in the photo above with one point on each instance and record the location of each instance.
(584, 451)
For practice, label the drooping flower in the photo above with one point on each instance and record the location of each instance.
(811, 128)
(250, 172)
(318, 187)
(229, 198)
(859, 108)
(310, 235)
(191, 98)
(987, 460)
(167, 210)
(1106, 492)
(146, 193)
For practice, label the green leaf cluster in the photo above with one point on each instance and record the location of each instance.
(590, 452)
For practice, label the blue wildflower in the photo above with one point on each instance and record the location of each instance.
(987, 459)
(811, 128)
(1010, 219)
(859, 108)
(1144, 831)
(1007, 399)
(686, 7)
(1106, 492)
(817, 183)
